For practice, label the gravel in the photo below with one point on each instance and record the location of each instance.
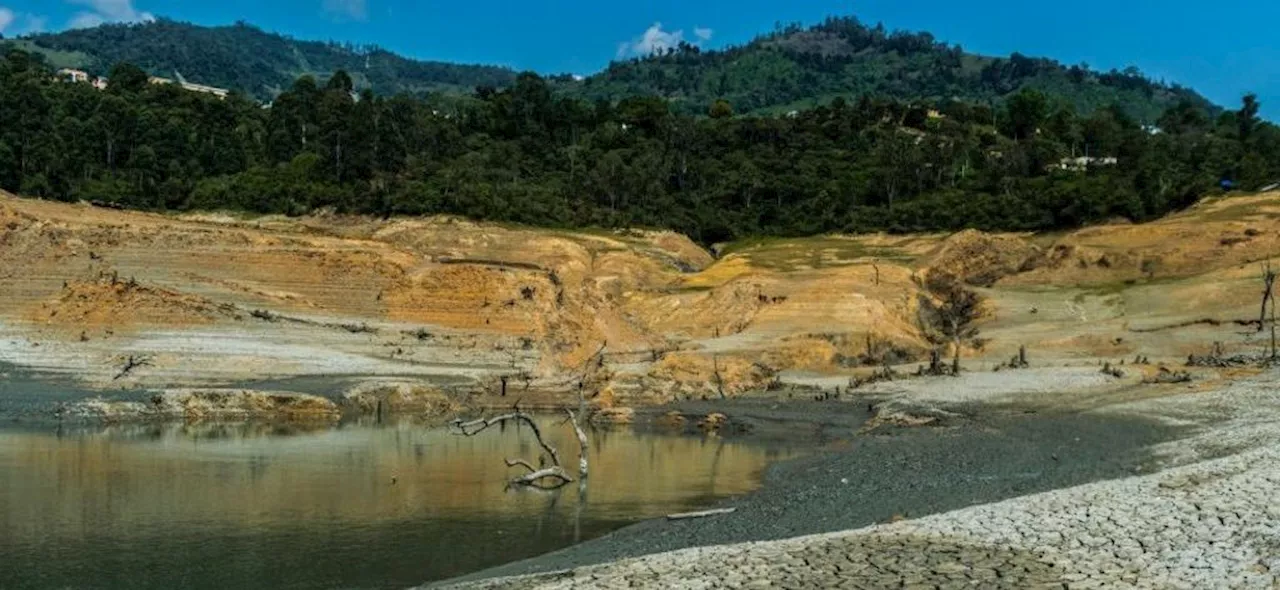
(1214, 524)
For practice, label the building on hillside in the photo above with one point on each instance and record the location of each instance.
(1083, 163)
(81, 77)
(78, 76)
(188, 86)
(218, 92)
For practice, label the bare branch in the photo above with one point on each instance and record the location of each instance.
(556, 474)
(475, 427)
(522, 463)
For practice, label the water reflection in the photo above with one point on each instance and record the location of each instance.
(269, 506)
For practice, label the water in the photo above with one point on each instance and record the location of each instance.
(260, 506)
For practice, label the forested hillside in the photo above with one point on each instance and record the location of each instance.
(523, 154)
(245, 58)
(791, 68)
(797, 67)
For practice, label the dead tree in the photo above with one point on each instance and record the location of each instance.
(1268, 293)
(542, 477)
(715, 364)
(951, 315)
(1268, 296)
(130, 364)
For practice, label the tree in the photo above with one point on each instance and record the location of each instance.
(1247, 117)
(125, 77)
(340, 82)
(720, 109)
(950, 313)
(1027, 109)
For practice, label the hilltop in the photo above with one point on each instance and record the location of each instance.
(255, 62)
(791, 68)
(799, 67)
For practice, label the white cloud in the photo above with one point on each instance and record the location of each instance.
(655, 40)
(347, 9)
(6, 18)
(107, 11)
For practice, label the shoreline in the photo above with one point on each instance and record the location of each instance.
(989, 454)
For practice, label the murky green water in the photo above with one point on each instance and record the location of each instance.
(178, 506)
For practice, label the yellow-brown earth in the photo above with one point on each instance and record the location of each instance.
(221, 298)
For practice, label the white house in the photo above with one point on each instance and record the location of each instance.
(1084, 162)
(73, 75)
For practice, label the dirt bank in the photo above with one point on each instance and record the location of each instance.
(194, 406)
(211, 300)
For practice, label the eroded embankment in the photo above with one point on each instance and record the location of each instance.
(637, 317)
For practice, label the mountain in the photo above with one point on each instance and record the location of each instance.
(797, 67)
(248, 59)
(789, 69)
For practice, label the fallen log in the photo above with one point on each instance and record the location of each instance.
(701, 514)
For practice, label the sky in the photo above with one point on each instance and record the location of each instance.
(1222, 49)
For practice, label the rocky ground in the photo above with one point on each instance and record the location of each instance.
(1208, 525)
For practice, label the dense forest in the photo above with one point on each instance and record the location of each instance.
(524, 154)
(792, 68)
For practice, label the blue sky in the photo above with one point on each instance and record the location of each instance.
(1223, 49)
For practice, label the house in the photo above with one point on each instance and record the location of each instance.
(1085, 162)
(82, 77)
(75, 76)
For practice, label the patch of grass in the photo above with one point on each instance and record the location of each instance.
(1244, 210)
(57, 59)
(788, 254)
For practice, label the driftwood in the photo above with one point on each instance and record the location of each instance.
(701, 514)
(1165, 376)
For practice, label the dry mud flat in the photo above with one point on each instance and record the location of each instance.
(1209, 525)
